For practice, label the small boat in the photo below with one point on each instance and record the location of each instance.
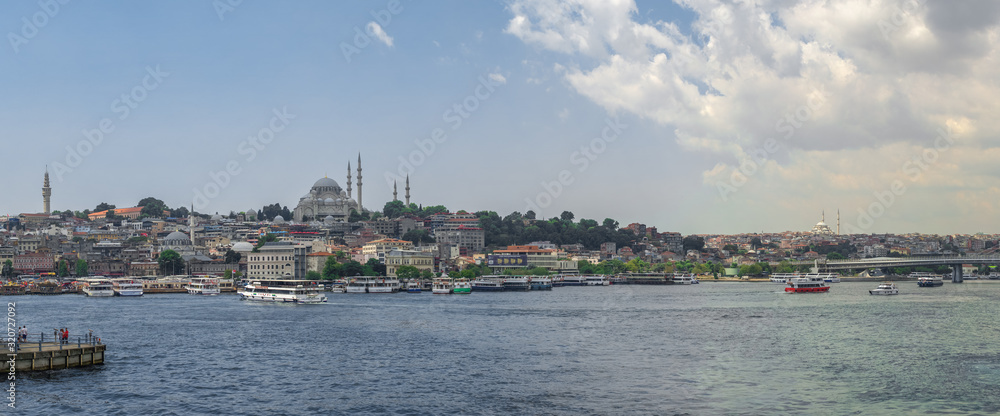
(806, 284)
(208, 286)
(930, 281)
(462, 287)
(442, 286)
(887, 288)
(98, 287)
(598, 280)
(338, 286)
(413, 287)
(126, 287)
(517, 284)
(541, 283)
(685, 279)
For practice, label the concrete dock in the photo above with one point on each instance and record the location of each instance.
(41, 356)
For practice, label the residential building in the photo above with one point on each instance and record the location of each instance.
(280, 260)
(398, 258)
(379, 248)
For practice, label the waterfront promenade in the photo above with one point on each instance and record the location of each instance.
(37, 354)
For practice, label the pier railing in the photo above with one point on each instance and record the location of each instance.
(53, 341)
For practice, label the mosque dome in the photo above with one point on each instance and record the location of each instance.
(329, 201)
(242, 247)
(278, 219)
(217, 217)
(176, 235)
(325, 183)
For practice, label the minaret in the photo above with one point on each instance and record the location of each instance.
(46, 193)
(348, 180)
(838, 221)
(394, 193)
(823, 219)
(407, 189)
(191, 225)
(361, 207)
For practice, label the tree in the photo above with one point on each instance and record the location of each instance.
(63, 269)
(566, 216)
(181, 212)
(394, 209)
(530, 214)
(353, 268)
(332, 269)
(418, 236)
(731, 248)
(636, 266)
(376, 267)
(110, 216)
(835, 256)
(588, 224)
(232, 257)
(267, 238)
(610, 224)
(151, 207)
(170, 262)
(81, 268)
(354, 216)
(313, 275)
(755, 243)
(407, 273)
(8, 269)
(693, 242)
(103, 206)
(426, 274)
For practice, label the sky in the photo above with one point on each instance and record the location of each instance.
(697, 116)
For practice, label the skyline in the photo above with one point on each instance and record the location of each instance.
(639, 111)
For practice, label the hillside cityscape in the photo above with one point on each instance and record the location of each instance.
(329, 234)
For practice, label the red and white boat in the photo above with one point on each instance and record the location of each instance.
(812, 283)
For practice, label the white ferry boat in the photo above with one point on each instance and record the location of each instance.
(338, 286)
(887, 288)
(830, 278)
(783, 277)
(462, 287)
(516, 284)
(541, 283)
(284, 291)
(573, 280)
(98, 287)
(488, 284)
(599, 280)
(413, 287)
(685, 279)
(203, 286)
(126, 287)
(372, 284)
(442, 286)
(930, 280)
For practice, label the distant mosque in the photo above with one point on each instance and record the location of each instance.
(326, 201)
(822, 229)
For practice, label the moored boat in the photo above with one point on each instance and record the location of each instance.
(541, 283)
(126, 287)
(930, 281)
(783, 277)
(487, 284)
(684, 279)
(596, 280)
(98, 287)
(886, 288)
(284, 291)
(573, 280)
(203, 286)
(516, 284)
(442, 286)
(413, 287)
(462, 287)
(806, 284)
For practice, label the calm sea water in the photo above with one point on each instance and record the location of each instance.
(714, 348)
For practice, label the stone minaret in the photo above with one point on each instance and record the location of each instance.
(394, 193)
(191, 225)
(348, 180)
(407, 189)
(838, 221)
(46, 193)
(361, 207)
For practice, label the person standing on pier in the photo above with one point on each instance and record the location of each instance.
(65, 336)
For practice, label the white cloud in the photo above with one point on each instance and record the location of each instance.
(375, 30)
(885, 74)
(498, 78)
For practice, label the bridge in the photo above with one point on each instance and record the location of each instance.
(955, 262)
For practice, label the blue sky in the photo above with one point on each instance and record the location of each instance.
(556, 83)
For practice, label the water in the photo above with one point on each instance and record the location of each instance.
(714, 348)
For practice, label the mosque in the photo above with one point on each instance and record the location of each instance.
(822, 229)
(326, 201)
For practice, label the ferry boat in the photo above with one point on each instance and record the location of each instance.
(887, 288)
(782, 277)
(806, 284)
(541, 283)
(557, 280)
(97, 287)
(462, 287)
(930, 281)
(338, 286)
(203, 286)
(573, 280)
(618, 280)
(831, 278)
(598, 280)
(442, 286)
(488, 284)
(517, 284)
(284, 291)
(685, 279)
(413, 287)
(126, 287)
(373, 284)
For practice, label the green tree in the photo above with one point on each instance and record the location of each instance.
(353, 268)
(181, 212)
(394, 209)
(103, 206)
(566, 216)
(693, 242)
(313, 275)
(81, 267)
(332, 269)
(636, 266)
(8, 269)
(418, 236)
(610, 224)
(152, 207)
(426, 274)
(376, 267)
(63, 269)
(835, 256)
(407, 273)
(111, 216)
(232, 257)
(267, 238)
(170, 262)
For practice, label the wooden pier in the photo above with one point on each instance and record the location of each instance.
(41, 356)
